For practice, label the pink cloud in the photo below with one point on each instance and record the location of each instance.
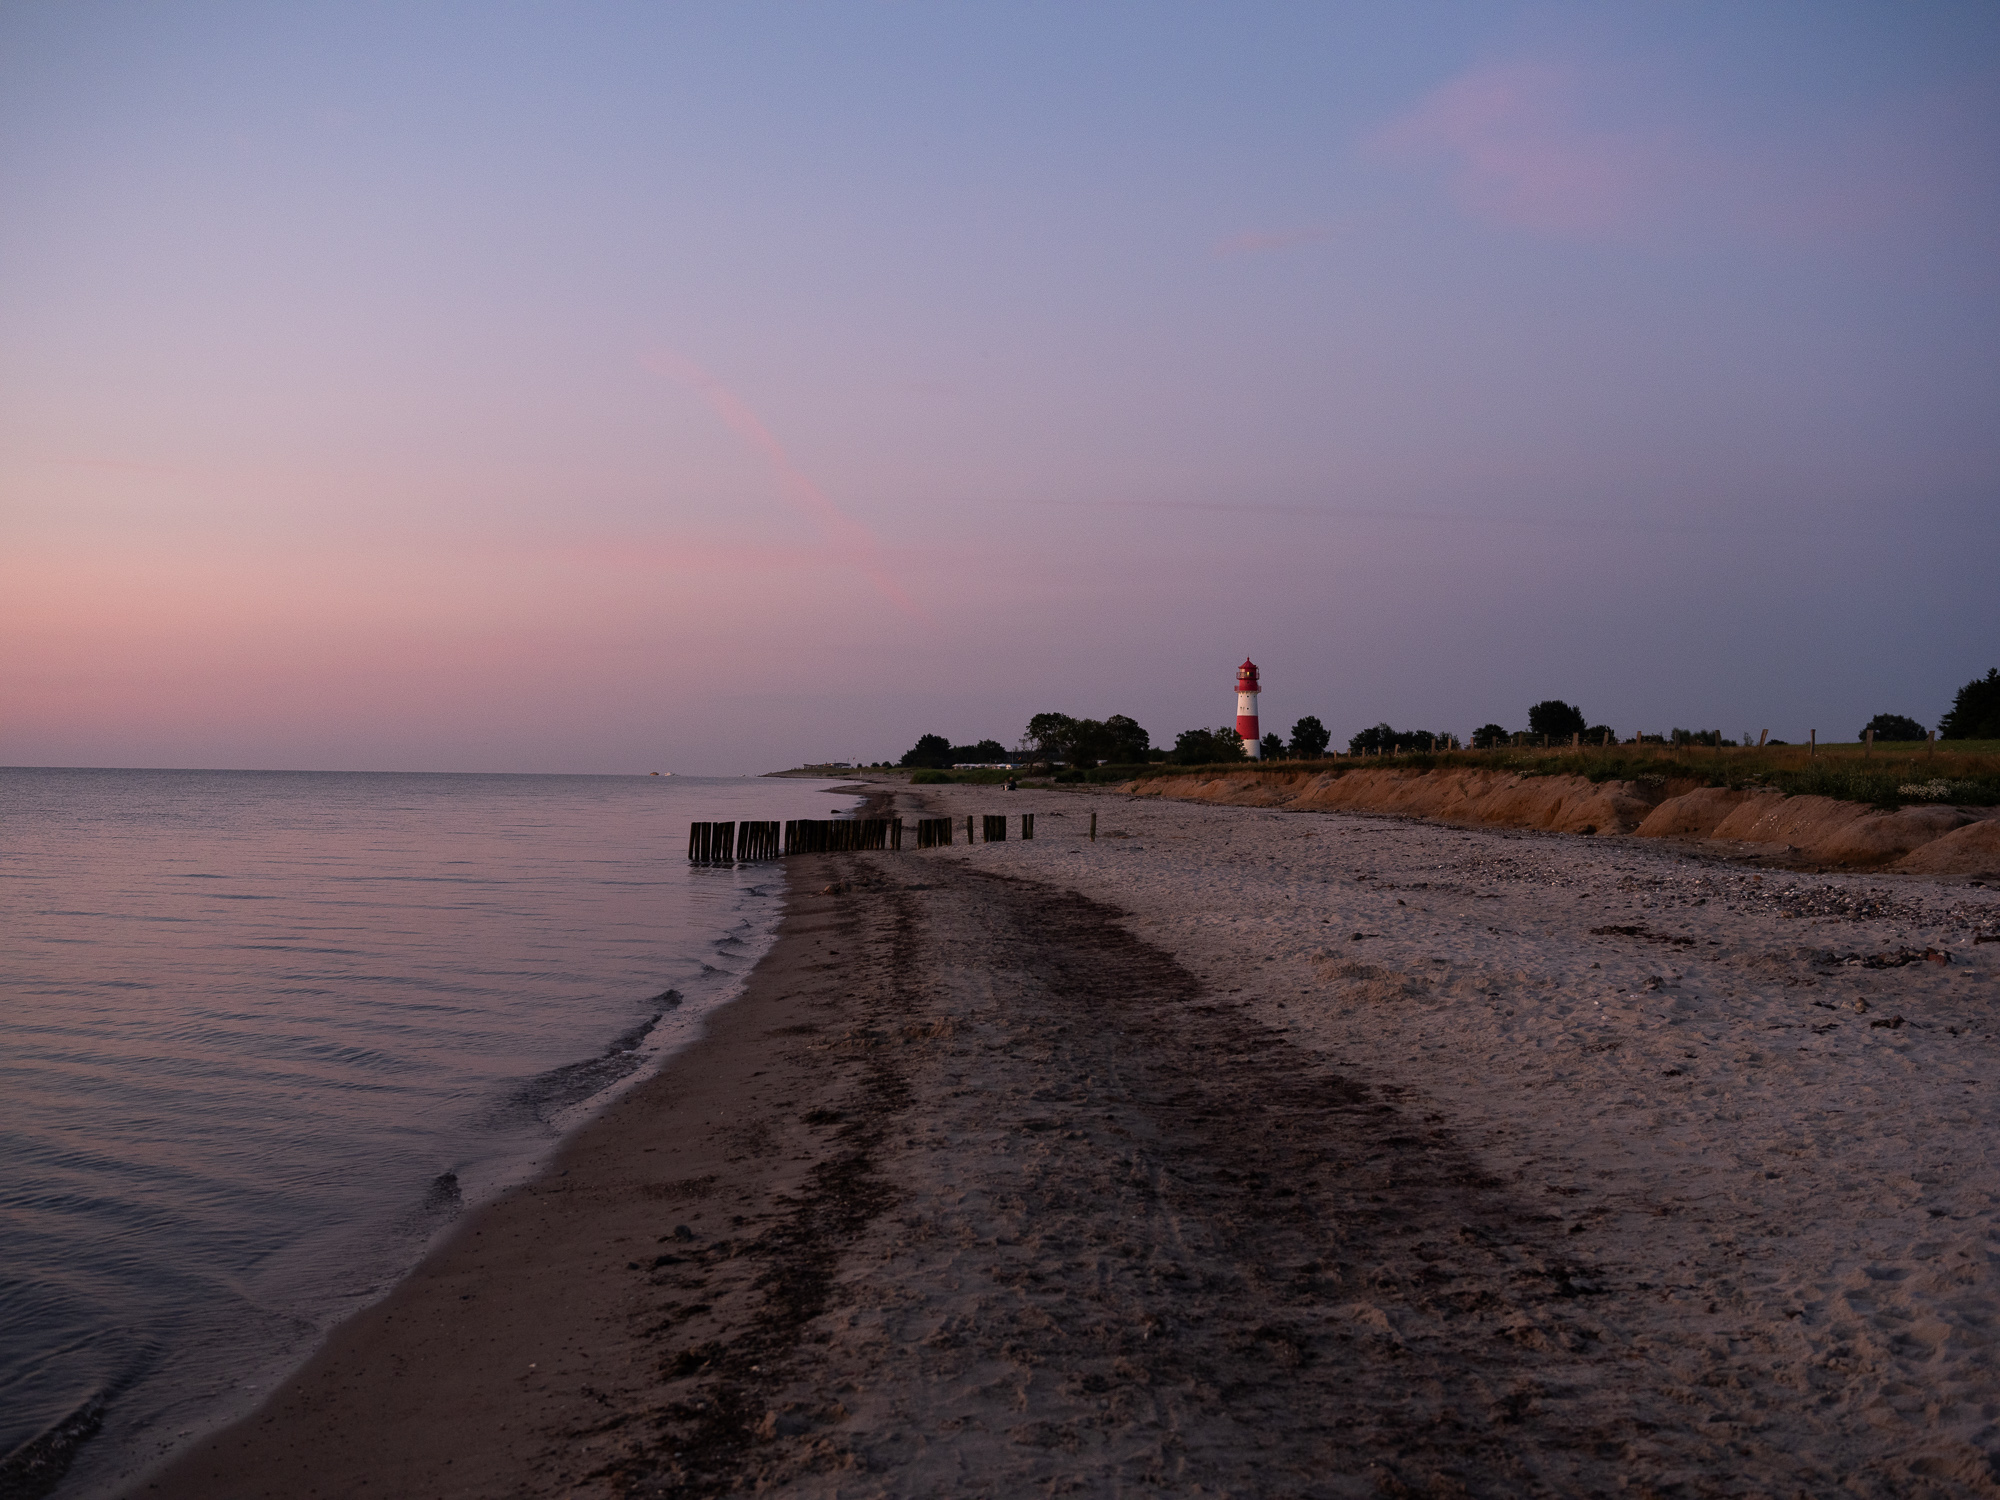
(1526, 145)
(851, 541)
(1515, 151)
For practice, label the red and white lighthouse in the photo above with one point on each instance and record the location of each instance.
(1246, 708)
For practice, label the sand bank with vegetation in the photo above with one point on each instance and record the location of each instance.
(1932, 814)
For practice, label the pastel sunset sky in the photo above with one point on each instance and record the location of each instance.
(596, 387)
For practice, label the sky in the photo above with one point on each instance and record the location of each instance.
(712, 388)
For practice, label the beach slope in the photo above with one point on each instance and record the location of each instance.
(1056, 1166)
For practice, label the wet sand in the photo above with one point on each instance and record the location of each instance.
(1239, 1153)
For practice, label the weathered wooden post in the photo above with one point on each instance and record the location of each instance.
(996, 828)
(1027, 825)
(1812, 743)
(1093, 828)
(1867, 743)
(968, 828)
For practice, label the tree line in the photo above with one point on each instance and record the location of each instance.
(1121, 741)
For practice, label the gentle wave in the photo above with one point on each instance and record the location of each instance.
(262, 1034)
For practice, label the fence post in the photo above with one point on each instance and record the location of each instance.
(1093, 828)
(1868, 744)
(1027, 825)
(1812, 743)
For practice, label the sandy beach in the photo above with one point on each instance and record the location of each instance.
(1240, 1152)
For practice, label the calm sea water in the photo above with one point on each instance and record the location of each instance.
(263, 1034)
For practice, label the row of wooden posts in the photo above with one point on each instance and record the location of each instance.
(741, 843)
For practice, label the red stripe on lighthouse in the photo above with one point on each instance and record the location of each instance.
(1246, 708)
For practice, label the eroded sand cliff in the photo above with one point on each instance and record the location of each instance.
(1812, 830)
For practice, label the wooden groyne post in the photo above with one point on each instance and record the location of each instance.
(732, 843)
(735, 843)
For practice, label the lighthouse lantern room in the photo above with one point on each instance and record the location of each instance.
(1246, 708)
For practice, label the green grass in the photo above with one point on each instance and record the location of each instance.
(1889, 776)
(959, 778)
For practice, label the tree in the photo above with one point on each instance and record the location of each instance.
(1488, 737)
(1206, 747)
(1893, 727)
(1310, 739)
(1271, 747)
(1975, 712)
(1556, 719)
(1050, 734)
(1128, 743)
(1088, 742)
(932, 750)
(1378, 740)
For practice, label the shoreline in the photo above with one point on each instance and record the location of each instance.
(456, 1381)
(342, 1038)
(1117, 1164)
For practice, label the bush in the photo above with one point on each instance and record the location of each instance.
(1890, 728)
(1975, 712)
(930, 778)
(1488, 737)
(1556, 719)
(1270, 747)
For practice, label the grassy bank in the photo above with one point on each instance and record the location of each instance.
(960, 778)
(1964, 772)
